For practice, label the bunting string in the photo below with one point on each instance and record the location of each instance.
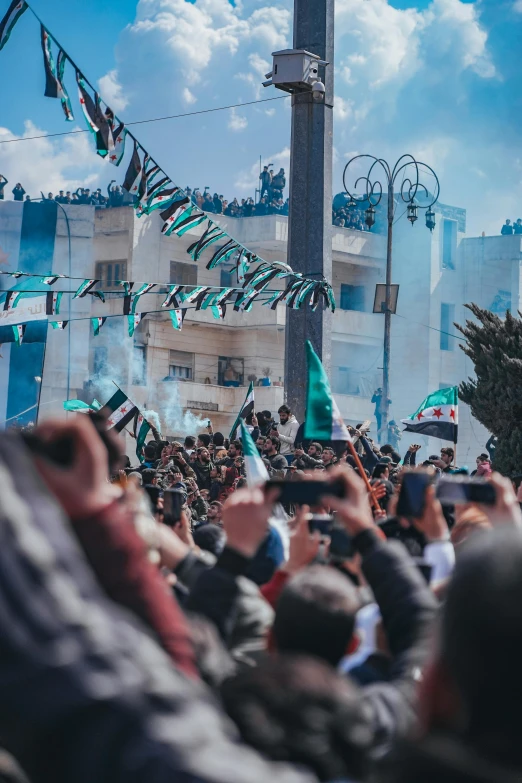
(153, 189)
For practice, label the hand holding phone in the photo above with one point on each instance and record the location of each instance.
(412, 496)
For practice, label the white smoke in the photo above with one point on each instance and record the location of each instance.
(176, 420)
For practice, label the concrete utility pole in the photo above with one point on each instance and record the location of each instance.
(310, 220)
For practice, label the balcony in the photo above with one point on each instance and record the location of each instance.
(364, 327)
(361, 248)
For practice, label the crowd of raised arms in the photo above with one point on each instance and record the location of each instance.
(161, 620)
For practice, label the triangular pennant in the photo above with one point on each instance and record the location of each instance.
(118, 135)
(97, 324)
(85, 288)
(11, 16)
(19, 331)
(52, 302)
(177, 317)
(60, 72)
(133, 176)
(59, 324)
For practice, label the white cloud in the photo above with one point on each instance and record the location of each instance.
(188, 97)
(237, 122)
(112, 91)
(258, 64)
(517, 6)
(194, 33)
(49, 164)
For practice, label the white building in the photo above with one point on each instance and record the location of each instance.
(437, 274)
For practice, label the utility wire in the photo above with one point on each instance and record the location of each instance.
(153, 119)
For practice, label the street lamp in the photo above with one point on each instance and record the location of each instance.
(411, 189)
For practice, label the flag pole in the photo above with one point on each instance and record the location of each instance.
(373, 501)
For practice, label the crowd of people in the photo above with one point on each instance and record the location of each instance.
(161, 620)
(270, 202)
(349, 217)
(510, 228)
(116, 196)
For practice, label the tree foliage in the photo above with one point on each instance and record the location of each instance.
(495, 396)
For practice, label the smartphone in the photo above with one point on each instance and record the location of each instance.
(172, 505)
(321, 522)
(412, 496)
(305, 492)
(455, 490)
(341, 545)
(154, 494)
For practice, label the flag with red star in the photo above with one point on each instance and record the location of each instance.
(120, 410)
(118, 152)
(437, 416)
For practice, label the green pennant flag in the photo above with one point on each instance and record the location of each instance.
(256, 471)
(77, 406)
(141, 430)
(323, 420)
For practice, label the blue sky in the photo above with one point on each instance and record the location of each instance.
(439, 78)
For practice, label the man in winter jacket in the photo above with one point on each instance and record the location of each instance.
(286, 432)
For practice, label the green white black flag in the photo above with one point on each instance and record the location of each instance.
(246, 410)
(256, 471)
(120, 411)
(437, 416)
(141, 430)
(12, 15)
(323, 420)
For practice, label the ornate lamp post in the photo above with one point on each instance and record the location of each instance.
(411, 188)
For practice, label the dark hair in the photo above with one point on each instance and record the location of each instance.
(267, 415)
(284, 409)
(380, 469)
(237, 445)
(210, 538)
(148, 476)
(218, 439)
(483, 457)
(150, 451)
(298, 710)
(448, 450)
(275, 442)
(204, 438)
(315, 614)
(481, 640)
(317, 446)
(190, 442)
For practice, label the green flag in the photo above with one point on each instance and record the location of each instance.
(323, 420)
(78, 406)
(255, 467)
(437, 415)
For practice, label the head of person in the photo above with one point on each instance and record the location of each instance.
(167, 450)
(315, 615)
(260, 442)
(315, 450)
(68, 194)
(149, 452)
(272, 445)
(149, 477)
(218, 440)
(319, 724)
(508, 222)
(203, 456)
(189, 443)
(239, 462)
(381, 471)
(211, 538)
(49, 195)
(214, 511)
(284, 414)
(446, 455)
(267, 415)
(482, 458)
(61, 193)
(234, 450)
(328, 455)
(203, 440)
(472, 688)
(265, 168)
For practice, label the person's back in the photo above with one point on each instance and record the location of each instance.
(507, 228)
(517, 228)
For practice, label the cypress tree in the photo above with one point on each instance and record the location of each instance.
(494, 396)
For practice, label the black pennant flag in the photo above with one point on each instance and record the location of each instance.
(133, 175)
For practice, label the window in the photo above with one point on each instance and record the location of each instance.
(352, 297)
(447, 316)
(183, 274)
(231, 371)
(181, 365)
(226, 278)
(449, 243)
(109, 273)
(139, 365)
(101, 355)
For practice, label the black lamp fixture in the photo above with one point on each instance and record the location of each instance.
(412, 213)
(430, 219)
(369, 216)
(352, 204)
